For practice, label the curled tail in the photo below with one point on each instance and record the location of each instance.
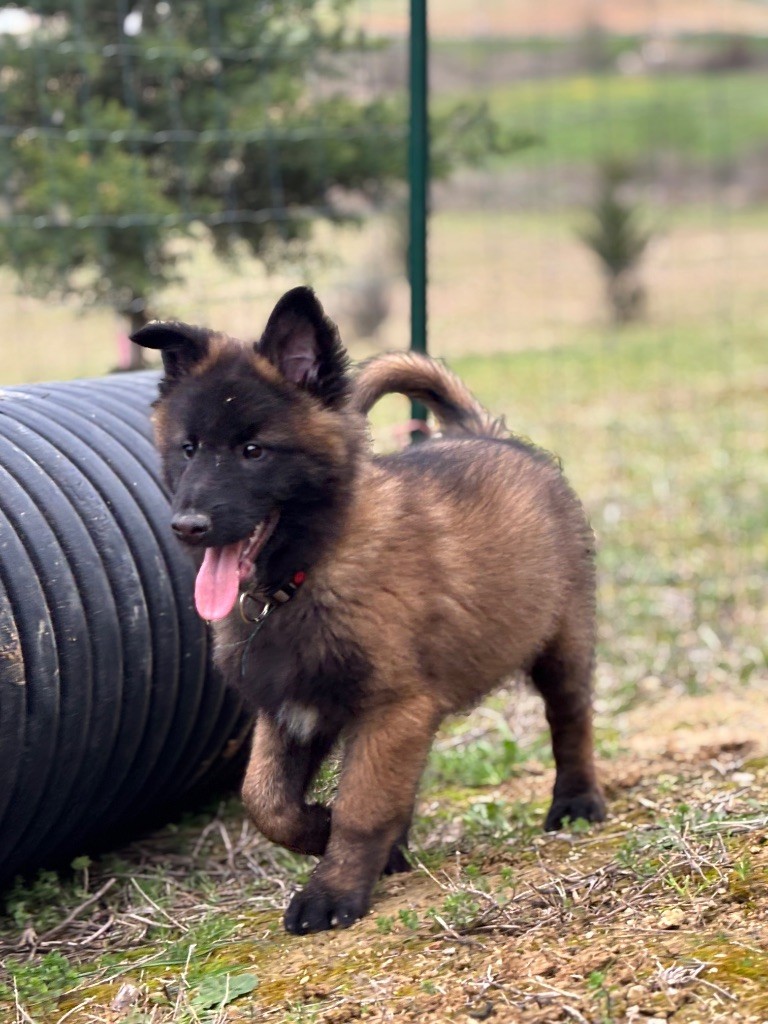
(430, 382)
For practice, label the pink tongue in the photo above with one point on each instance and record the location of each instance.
(218, 582)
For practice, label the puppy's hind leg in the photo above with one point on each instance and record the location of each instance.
(562, 673)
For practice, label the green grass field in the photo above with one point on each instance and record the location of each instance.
(716, 119)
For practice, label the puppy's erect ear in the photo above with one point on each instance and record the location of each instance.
(180, 344)
(304, 345)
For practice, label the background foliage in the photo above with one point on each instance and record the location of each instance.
(129, 130)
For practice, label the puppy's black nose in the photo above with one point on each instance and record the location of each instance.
(191, 526)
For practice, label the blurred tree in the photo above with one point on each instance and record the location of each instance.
(128, 128)
(619, 241)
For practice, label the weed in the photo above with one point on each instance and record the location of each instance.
(633, 855)
(219, 989)
(743, 868)
(684, 887)
(41, 902)
(325, 782)
(577, 826)
(596, 983)
(302, 1013)
(496, 821)
(408, 917)
(42, 982)
(480, 763)
(460, 909)
(135, 1016)
(474, 874)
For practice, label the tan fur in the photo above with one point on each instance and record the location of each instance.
(430, 382)
(318, 429)
(220, 345)
(462, 587)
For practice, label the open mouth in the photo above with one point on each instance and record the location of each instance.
(224, 569)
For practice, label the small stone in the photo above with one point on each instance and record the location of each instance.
(127, 995)
(672, 917)
(481, 1012)
(636, 994)
(743, 778)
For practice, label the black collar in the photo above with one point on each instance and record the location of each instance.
(271, 599)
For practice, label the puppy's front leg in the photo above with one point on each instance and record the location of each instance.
(377, 790)
(279, 772)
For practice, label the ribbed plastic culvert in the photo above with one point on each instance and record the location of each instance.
(109, 712)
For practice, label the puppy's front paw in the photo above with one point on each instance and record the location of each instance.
(316, 909)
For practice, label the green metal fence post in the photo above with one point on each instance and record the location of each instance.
(418, 177)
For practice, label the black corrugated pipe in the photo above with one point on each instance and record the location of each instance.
(109, 713)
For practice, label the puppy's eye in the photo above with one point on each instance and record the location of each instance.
(189, 448)
(252, 451)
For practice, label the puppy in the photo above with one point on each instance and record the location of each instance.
(366, 597)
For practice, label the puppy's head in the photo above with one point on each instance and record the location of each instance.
(256, 444)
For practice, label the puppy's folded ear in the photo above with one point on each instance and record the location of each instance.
(181, 345)
(304, 345)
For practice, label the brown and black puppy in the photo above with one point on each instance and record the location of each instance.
(367, 597)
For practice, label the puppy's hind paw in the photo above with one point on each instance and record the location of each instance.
(589, 806)
(397, 861)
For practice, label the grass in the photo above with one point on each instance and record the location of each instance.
(717, 119)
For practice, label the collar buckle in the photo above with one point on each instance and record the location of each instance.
(268, 607)
(280, 596)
